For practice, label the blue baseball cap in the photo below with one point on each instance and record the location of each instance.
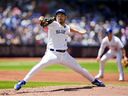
(108, 31)
(61, 11)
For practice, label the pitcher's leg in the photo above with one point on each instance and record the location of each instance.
(76, 67)
(43, 63)
(71, 63)
(30, 74)
(48, 59)
(120, 67)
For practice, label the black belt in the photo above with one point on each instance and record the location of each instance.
(58, 50)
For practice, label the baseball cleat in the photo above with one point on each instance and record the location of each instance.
(98, 83)
(19, 85)
(121, 79)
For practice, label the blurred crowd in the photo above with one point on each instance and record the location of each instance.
(19, 22)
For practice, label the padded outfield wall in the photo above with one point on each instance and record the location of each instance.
(38, 51)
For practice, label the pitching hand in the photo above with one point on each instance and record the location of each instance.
(41, 18)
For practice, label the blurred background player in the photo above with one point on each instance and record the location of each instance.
(56, 52)
(116, 49)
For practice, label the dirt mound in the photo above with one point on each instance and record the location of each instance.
(69, 91)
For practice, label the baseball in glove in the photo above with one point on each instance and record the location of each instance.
(125, 62)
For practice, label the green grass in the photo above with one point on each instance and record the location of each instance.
(10, 84)
(110, 66)
(27, 65)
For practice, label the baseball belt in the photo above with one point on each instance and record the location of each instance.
(58, 50)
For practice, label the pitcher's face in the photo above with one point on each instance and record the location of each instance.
(60, 17)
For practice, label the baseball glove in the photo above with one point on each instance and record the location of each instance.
(125, 62)
(46, 21)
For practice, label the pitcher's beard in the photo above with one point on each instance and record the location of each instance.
(62, 23)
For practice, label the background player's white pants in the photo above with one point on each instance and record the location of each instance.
(108, 55)
(52, 57)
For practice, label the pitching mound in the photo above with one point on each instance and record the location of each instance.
(69, 91)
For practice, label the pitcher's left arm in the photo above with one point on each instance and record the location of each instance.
(76, 31)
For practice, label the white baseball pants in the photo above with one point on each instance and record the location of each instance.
(108, 55)
(52, 57)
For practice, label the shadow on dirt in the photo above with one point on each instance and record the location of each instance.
(73, 89)
(62, 89)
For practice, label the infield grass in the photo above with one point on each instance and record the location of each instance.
(10, 84)
(92, 66)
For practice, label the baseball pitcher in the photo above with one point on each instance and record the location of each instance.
(56, 52)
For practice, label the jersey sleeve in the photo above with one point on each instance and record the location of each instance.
(68, 29)
(102, 47)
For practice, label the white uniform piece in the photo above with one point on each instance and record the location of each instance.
(57, 40)
(115, 46)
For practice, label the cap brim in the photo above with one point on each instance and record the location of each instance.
(61, 12)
